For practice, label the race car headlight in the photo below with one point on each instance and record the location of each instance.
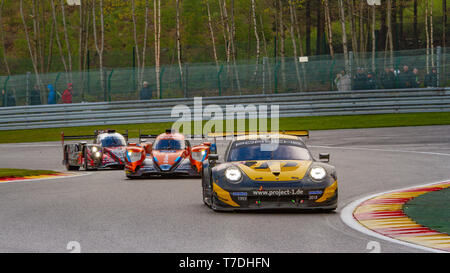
(317, 173)
(233, 174)
(94, 149)
(97, 154)
(199, 156)
(133, 156)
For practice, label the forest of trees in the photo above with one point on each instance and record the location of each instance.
(49, 35)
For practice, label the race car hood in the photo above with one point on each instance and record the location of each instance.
(272, 170)
(114, 154)
(165, 159)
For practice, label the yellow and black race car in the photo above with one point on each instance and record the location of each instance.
(269, 171)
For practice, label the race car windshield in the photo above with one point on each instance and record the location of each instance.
(113, 141)
(281, 152)
(169, 144)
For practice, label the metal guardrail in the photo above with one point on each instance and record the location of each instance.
(290, 105)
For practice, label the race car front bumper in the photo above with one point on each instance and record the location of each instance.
(274, 199)
(149, 169)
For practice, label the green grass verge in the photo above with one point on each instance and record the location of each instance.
(431, 210)
(22, 172)
(295, 123)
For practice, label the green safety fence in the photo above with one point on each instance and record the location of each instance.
(265, 76)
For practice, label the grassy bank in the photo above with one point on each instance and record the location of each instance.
(295, 123)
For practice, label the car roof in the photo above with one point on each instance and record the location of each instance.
(175, 136)
(266, 136)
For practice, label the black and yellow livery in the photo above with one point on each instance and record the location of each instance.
(269, 171)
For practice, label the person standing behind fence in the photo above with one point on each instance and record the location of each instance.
(51, 98)
(35, 96)
(343, 81)
(67, 94)
(8, 98)
(388, 79)
(146, 92)
(405, 78)
(431, 78)
(415, 81)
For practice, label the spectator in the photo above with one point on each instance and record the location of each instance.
(51, 99)
(405, 78)
(8, 98)
(343, 81)
(370, 82)
(67, 94)
(388, 79)
(359, 82)
(35, 96)
(431, 78)
(146, 92)
(415, 81)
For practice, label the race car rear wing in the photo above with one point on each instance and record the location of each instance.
(168, 131)
(96, 133)
(299, 133)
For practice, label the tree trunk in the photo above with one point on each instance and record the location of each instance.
(351, 4)
(427, 35)
(373, 38)
(416, 33)
(389, 40)
(58, 41)
(282, 45)
(30, 48)
(211, 31)
(256, 35)
(157, 29)
(2, 37)
(294, 45)
(66, 36)
(328, 27)
(432, 36)
(180, 63)
(99, 47)
(308, 27)
(344, 34)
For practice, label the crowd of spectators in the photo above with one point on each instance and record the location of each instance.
(390, 78)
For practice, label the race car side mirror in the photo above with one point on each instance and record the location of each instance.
(212, 158)
(324, 158)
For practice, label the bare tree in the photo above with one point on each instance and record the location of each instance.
(180, 64)
(32, 50)
(99, 45)
(427, 36)
(344, 34)
(389, 39)
(373, 37)
(211, 31)
(157, 31)
(2, 38)
(58, 40)
(328, 27)
(140, 61)
(256, 34)
(294, 44)
(66, 36)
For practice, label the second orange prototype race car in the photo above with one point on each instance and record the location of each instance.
(170, 154)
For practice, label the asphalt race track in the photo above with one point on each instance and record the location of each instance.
(106, 212)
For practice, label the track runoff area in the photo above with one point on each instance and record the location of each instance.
(106, 212)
